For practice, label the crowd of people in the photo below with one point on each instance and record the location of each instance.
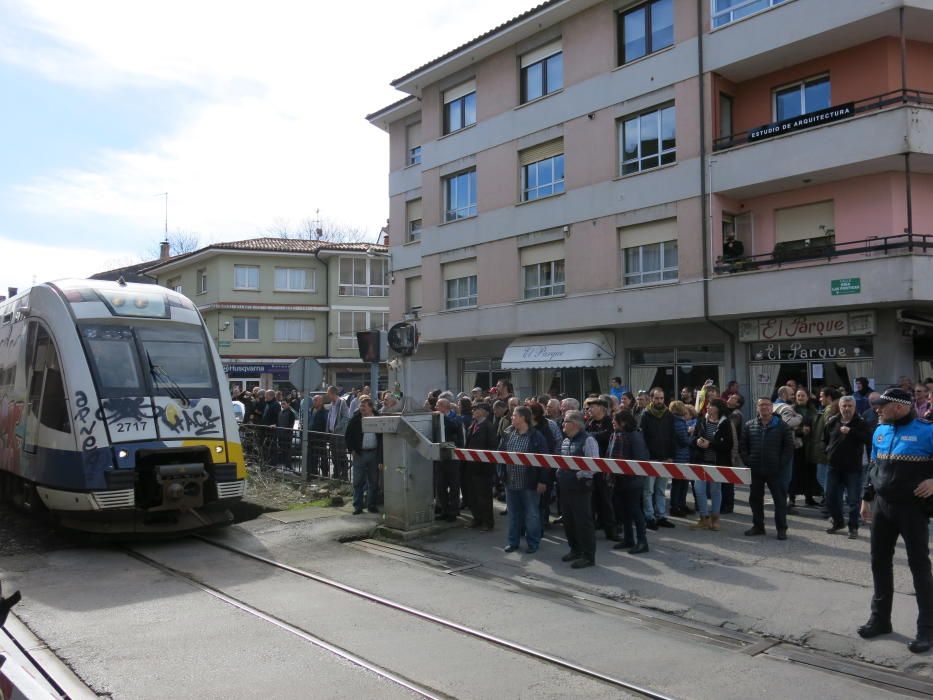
(860, 456)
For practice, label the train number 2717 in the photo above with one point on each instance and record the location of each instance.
(130, 426)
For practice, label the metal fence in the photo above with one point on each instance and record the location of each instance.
(271, 448)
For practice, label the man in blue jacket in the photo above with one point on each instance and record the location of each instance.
(767, 448)
(898, 501)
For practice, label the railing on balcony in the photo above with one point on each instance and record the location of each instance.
(867, 104)
(825, 248)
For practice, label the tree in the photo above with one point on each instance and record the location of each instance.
(179, 243)
(320, 229)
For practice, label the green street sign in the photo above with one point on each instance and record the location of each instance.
(847, 285)
(225, 343)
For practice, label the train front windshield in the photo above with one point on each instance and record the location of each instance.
(159, 360)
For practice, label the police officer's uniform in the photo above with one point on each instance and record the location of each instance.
(902, 457)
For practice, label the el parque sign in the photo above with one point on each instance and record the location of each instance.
(807, 326)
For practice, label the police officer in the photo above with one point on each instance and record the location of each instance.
(576, 493)
(897, 500)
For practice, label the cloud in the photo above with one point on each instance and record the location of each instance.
(272, 127)
(25, 263)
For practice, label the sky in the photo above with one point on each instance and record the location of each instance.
(247, 114)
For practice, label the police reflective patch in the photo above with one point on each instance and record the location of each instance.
(909, 438)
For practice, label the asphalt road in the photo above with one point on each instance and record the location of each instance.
(132, 631)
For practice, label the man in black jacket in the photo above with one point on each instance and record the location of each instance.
(599, 427)
(657, 425)
(845, 437)
(481, 435)
(767, 448)
(366, 449)
(447, 472)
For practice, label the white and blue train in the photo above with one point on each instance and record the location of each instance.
(112, 415)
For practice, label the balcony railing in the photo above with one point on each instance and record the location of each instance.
(867, 104)
(826, 248)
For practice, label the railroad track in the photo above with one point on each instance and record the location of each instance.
(419, 688)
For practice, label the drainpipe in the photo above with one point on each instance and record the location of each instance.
(907, 187)
(705, 202)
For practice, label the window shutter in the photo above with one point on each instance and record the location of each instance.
(646, 234)
(414, 209)
(532, 255)
(797, 223)
(541, 53)
(459, 91)
(461, 268)
(541, 151)
(413, 132)
(413, 292)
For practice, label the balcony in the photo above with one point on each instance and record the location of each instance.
(864, 137)
(825, 248)
(892, 271)
(824, 117)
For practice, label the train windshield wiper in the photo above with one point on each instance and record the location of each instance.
(163, 377)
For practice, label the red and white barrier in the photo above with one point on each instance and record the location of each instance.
(630, 467)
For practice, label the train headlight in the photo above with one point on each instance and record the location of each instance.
(218, 449)
(123, 454)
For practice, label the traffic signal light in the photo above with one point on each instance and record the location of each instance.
(403, 338)
(372, 346)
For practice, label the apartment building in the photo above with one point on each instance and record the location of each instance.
(269, 301)
(561, 188)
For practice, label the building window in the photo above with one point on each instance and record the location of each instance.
(725, 115)
(726, 11)
(461, 292)
(294, 279)
(245, 328)
(413, 217)
(202, 281)
(175, 285)
(364, 277)
(801, 98)
(544, 279)
(543, 178)
(351, 322)
(294, 330)
(459, 107)
(645, 29)
(413, 294)
(652, 262)
(413, 141)
(542, 72)
(648, 140)
(245, 277)
(460, 196)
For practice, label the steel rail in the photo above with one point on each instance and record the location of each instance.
(413, 686)
(449, 624)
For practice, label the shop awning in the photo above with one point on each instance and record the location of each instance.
(590, 349)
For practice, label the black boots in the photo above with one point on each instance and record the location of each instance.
(874, 627)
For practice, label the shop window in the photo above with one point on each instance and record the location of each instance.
(484, 373)
(675, 369)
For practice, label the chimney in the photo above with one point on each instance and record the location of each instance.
(164, 252)
(11, 291)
